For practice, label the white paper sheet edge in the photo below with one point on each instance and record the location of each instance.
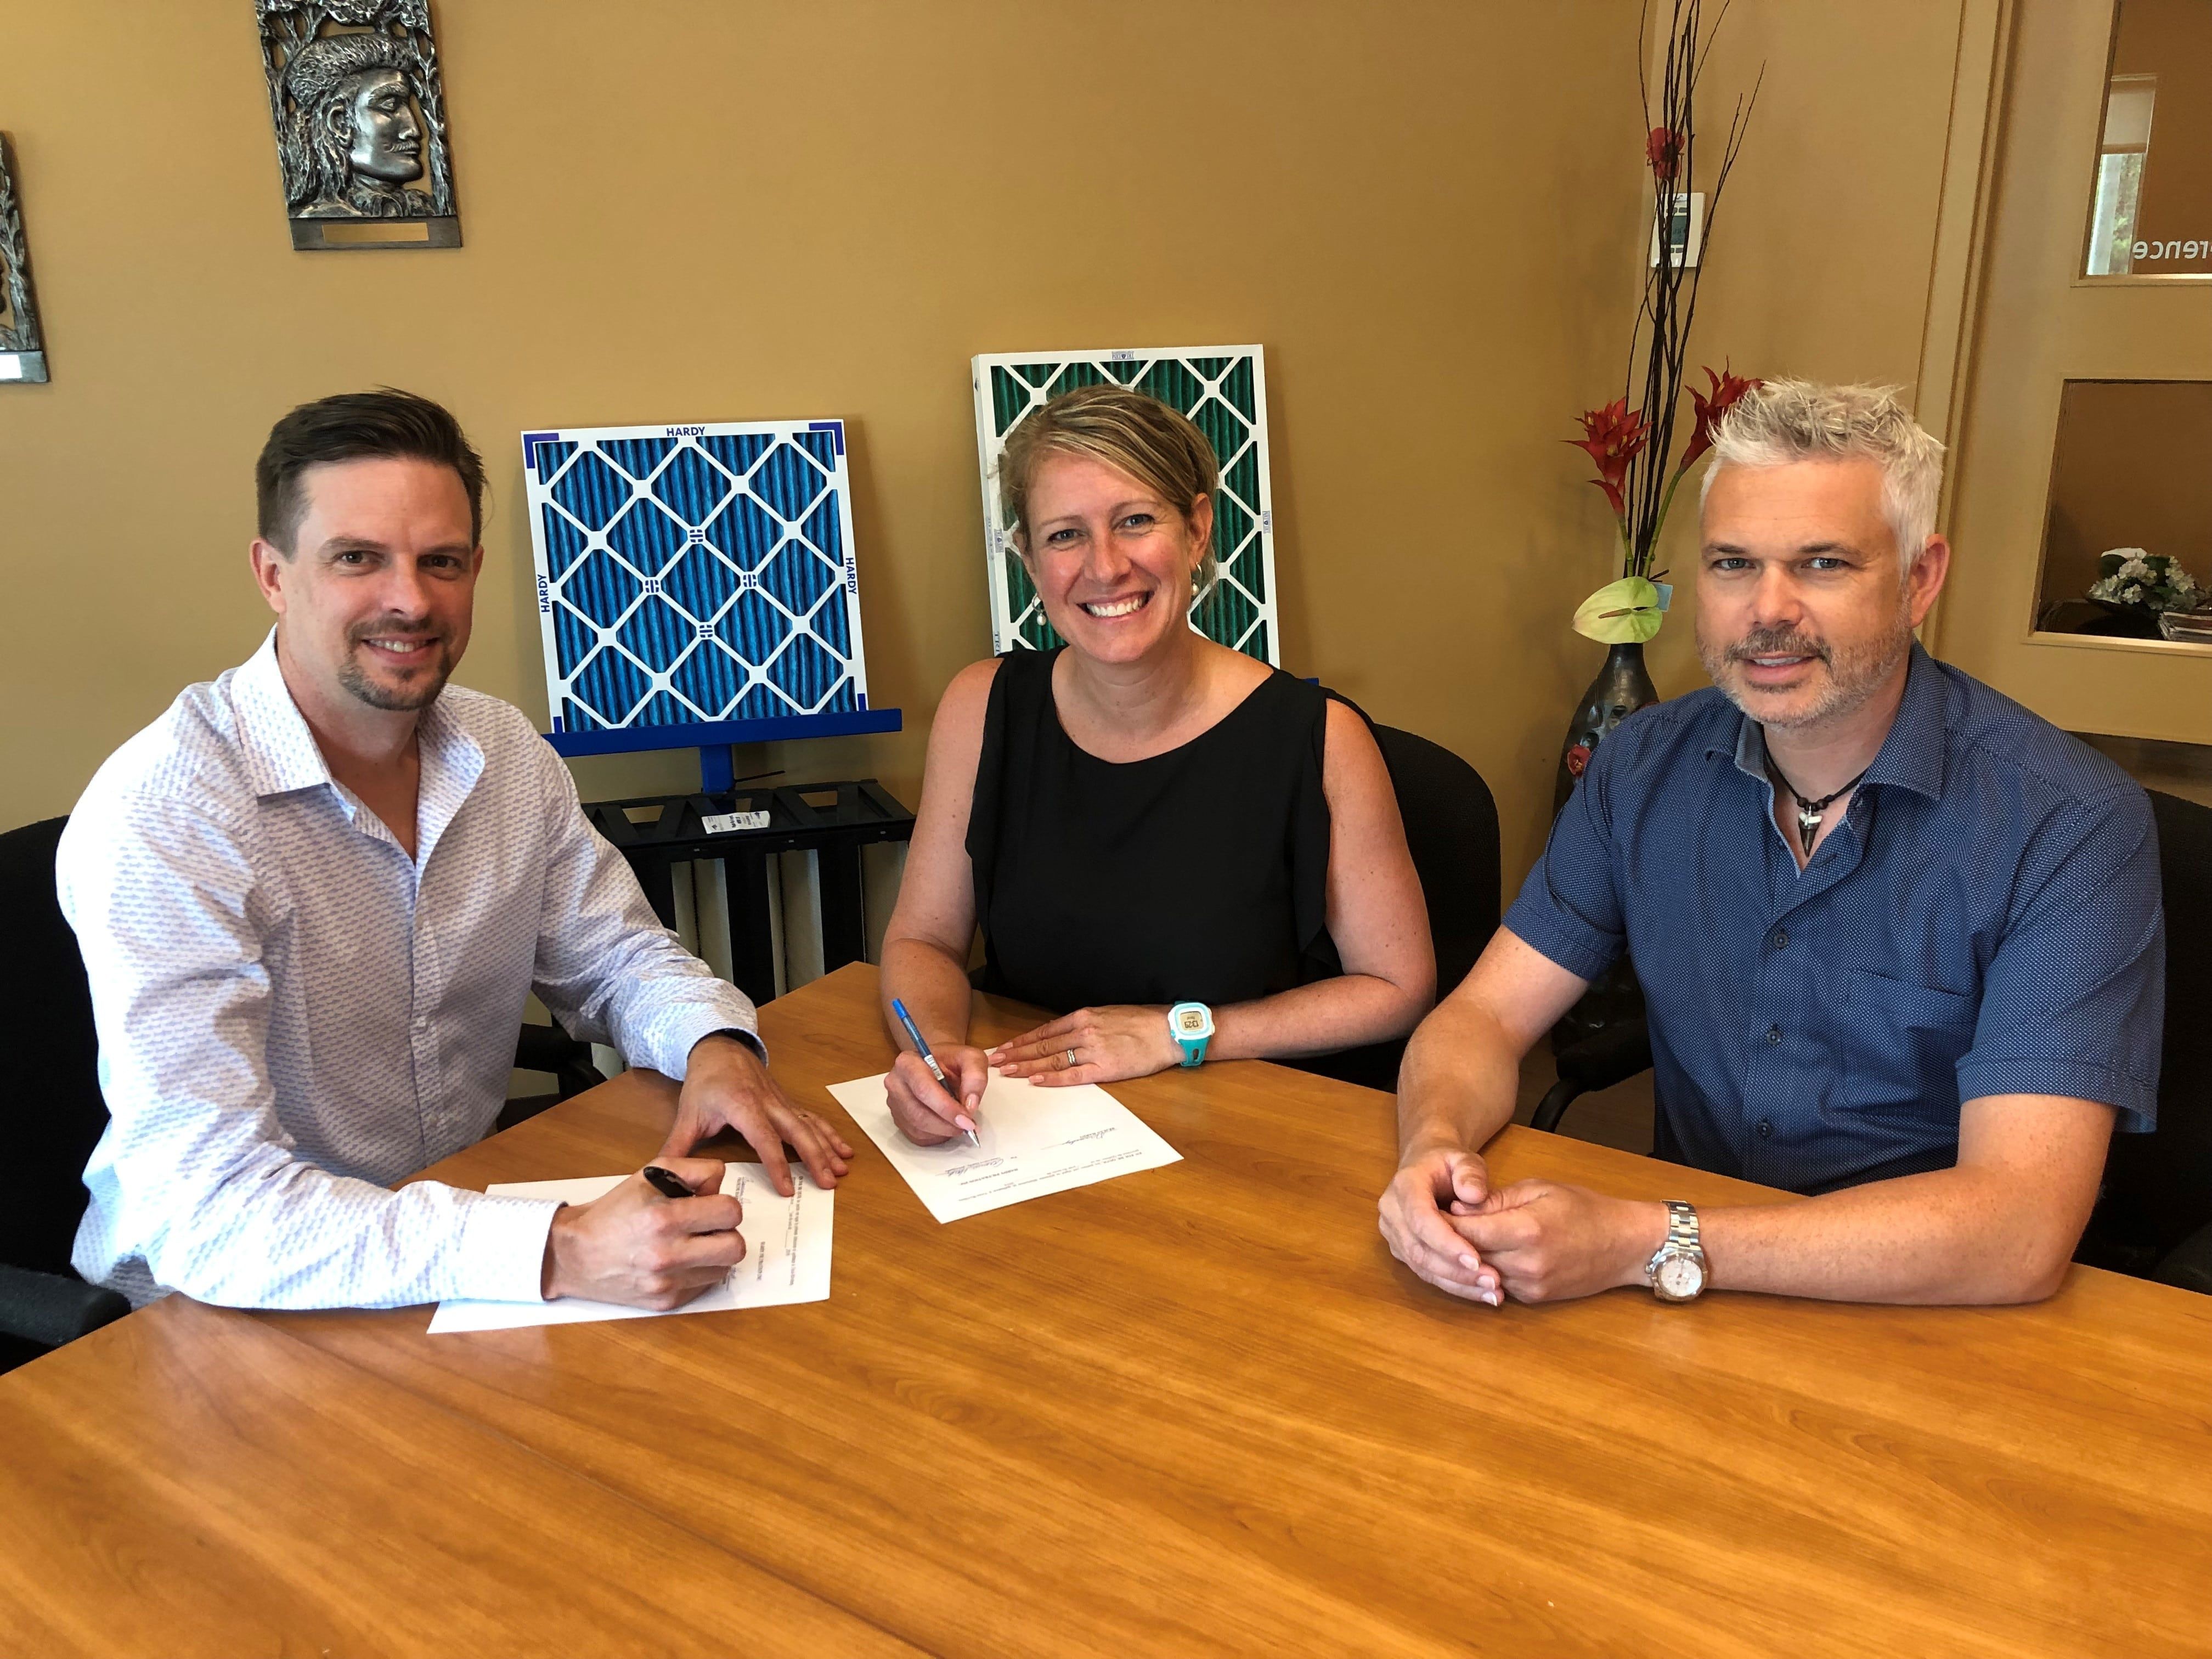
(934, 1172)
(803, 1259)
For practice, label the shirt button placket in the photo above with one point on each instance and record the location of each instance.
(1770, 1077)
(429, 1097)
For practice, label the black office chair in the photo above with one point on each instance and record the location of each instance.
(550, 1048)
(1596, 1062)
(1451, 828)
(2154, 1215)
(55, 1115)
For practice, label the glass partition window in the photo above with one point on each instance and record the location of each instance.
(2151, 201)
(2128, 102)
(2127, 543)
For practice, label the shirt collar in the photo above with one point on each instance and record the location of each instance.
(452, 761)
(280, 753)
(1911, 757)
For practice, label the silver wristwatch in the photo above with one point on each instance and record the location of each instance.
(1676, 1271)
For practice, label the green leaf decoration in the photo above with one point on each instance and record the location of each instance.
(1626, 612)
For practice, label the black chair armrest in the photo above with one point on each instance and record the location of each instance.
(2189, 1264)
(1608, 1057)
(550, 1048)
(1598, 1062)
(51, 1309)
(545, 1049)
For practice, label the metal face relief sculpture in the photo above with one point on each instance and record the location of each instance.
(22, 348)
(359, 114)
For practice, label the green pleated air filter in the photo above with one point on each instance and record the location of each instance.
(1224, 390)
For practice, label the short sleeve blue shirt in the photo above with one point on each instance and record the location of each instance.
(1985, 920)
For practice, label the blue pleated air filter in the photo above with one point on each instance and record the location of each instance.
(694, 575)
(1224, 390)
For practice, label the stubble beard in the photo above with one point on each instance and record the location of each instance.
(1853, 673)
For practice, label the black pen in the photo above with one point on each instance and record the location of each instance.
(667, 1182)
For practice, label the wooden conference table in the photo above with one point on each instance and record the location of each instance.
(1196, 1409)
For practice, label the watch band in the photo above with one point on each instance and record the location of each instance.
(1681, 1244)
(1194, 1047)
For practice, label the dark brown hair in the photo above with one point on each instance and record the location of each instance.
(352, 427)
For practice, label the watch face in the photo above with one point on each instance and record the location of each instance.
(1679, 1277)
(1191, 1022)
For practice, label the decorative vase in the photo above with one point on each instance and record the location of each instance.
(1623, 686)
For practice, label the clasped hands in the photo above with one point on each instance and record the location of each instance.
(635, 1247)
(1535, 1241)
(1091, 1045)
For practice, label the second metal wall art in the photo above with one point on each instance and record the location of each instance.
(22, 347)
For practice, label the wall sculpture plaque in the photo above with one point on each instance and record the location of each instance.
(22, 348)
(360, 114)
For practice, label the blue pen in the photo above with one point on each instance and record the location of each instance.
(921, 1048)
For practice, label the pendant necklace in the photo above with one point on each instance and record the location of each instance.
(1809, 811)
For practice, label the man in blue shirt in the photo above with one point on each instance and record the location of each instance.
(1901, 939)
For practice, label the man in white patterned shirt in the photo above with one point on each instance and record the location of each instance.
(312, 898)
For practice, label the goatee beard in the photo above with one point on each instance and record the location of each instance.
(398, 701)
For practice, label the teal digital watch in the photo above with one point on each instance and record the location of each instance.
(1191, 1024)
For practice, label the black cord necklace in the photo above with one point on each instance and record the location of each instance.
(1809, 811)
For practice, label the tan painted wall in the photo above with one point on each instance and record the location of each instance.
(1427, 209)
(1824, 239)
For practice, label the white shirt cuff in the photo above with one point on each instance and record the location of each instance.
(502, 1253)
(695, 1027)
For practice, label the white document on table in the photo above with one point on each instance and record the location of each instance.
(786, 1254)
(1036, 1140)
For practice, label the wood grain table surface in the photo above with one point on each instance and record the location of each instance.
(1196, 1409)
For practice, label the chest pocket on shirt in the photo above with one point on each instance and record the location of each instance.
(1904, 1042)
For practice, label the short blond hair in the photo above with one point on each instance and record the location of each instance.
(1129, 431)
(1786, 421)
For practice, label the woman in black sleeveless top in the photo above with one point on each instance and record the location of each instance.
(1143, 820)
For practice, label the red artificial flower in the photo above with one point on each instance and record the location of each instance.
(1664, 150)
(1612, 437)
(1727, 390)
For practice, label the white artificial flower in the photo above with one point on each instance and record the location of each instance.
(2132, 593)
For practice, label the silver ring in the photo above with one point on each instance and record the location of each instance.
(1068, 1059)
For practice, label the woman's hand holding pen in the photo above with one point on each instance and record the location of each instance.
(925, 1113)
